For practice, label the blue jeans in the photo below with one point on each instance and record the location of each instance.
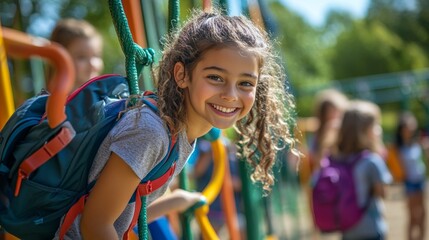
(379, 237)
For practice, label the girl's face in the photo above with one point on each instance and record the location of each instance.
(408, 131)
(376, 132)
(374, 135)
(222, 89)
(86, 55)
(333, 113)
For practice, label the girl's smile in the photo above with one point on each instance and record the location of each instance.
(224, 110)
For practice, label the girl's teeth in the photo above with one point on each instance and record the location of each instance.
(224, 109)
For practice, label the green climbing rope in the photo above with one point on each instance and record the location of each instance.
(143, 228)
(173, 14)
(135, 56)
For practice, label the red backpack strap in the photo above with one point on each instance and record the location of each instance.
(148, 187)
(137, 207)
(142, 190)
(43, 154)
(71, 215)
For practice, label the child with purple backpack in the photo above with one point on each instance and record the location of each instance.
(349, 187)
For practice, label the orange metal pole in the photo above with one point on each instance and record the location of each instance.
(19, 44)
(255, 13)
(228, 204)
(6, 94)
(207, 5)
(133, 11)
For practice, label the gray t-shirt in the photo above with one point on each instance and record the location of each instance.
(141, 139)
(367, 172)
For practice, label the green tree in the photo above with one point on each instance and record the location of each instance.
(303, 51)
(371, 48)
(408, 19)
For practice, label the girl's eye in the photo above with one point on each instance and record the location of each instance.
(247, 84)
(214, 78)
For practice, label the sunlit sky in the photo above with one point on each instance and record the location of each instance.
(314, 11)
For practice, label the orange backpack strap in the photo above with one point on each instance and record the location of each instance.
(142, 190)
(148, 187)
(71, 215)
(43, 154)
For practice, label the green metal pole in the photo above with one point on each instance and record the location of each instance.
(185, 218)
(152, 41)
(223, 5)
(173, 23)
(252, 204)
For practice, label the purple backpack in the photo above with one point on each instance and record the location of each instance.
(334, 200)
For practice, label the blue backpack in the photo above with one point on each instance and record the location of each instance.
(334, 199)
(44, 171)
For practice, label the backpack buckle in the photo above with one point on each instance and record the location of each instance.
(21, 176)
(149, 187)
(172, 169)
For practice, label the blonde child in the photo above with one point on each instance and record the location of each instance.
(216, 71)
(84, 44)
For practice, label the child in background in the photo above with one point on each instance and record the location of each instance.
(360, 130)
(216, 71)
(330, 105)
(411, 156)
(84, 44)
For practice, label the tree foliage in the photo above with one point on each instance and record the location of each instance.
(301, 47)
(393, 37)
(408, 19)
(303, 53)
(371, 48)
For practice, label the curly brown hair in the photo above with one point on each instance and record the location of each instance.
(269, 125)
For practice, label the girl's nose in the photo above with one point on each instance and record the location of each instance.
(230, 94)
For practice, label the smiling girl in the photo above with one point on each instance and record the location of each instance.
(217, 71)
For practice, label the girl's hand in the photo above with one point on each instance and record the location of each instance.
(185, 199)
(178, 200)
